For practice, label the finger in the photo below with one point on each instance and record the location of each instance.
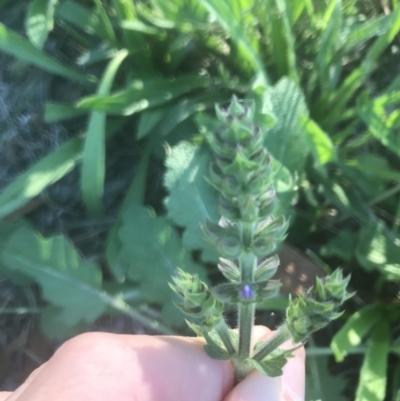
(100, 366)
(293, 378)
(14, 395)
(4, 395)
(289, 387)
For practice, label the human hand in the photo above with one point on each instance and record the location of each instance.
(105, 367)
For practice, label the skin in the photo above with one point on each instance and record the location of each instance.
(104, 367)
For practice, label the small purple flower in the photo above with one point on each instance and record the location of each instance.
(247, 291)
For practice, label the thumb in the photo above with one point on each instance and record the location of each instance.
(257, 387)
(288, 387)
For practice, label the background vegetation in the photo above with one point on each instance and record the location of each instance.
(102, 161)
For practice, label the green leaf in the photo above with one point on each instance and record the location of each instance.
(272, 365)
(216, 352)
(373, 26)
(230, 16)
(354, 330)
(286, 140)
(139, 26)
(340, 98)
(93, 162)
(135, 196)
(55, 112)
(15, 45)
(330, 41)
(378, 249)
(154, 251)
(82, 17)
(40, 21)
(44, 173)
(341, 245)
(321, 145)
(142, 94)
(53, 325)
(289, 39)
(191, 199)
(372, 384)
(150, 118)
(66, 281)
(322, 384)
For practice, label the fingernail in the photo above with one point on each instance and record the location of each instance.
(257, 387)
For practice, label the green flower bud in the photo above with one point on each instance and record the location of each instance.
(197, 300)
(315, 308)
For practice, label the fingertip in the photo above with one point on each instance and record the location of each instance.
(293, 379)
(257, 387)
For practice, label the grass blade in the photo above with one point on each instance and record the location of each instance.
(44, 173)
(289, 40)
(142, 94)
(55, 112)
(372, 384)
(93, 163)
(339, 99)
(354, 330)
(40, 21)
(321, 145)
(82, 17)
(15, 45)
(328, 49)
(232, 24)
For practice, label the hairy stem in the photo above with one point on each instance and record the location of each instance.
(280, 336)
(223, 331)
(246, 321)
(246, 311)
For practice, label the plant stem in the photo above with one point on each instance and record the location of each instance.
(246, 320)
(280, 336)
(246, 311)
(223, 331)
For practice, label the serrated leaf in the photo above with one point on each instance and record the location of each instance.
(135, 196)
(214, 347)
(191, 199)
(354, 330)
(286, 140)
(373, 378)
(40, 20)
(215, 352)
(67, 282)
(53, 326)
(17, 46)
(154, 250)
(272, 365)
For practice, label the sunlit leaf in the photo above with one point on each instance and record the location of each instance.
(354, 330)
(372, 384)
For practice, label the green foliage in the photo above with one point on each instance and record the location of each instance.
(324, 72)
(68, 283)
(154, 251)
(191, 199)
